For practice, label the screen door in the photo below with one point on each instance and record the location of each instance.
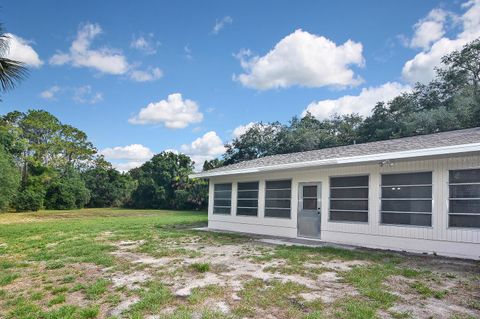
(309, 209)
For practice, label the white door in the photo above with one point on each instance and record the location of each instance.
(309, 209)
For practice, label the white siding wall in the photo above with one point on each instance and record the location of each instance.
(440, 239)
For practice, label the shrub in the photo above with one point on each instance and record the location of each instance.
(67, 192)
(29, 199)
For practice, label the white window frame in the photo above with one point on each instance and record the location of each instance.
(432, 185)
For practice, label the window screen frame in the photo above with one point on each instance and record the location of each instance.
(231, 201)
(432, 185)
(265, 198)
(330, 220)
(237, 199)
(448, 198)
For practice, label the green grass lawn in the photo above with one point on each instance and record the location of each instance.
(120, 263)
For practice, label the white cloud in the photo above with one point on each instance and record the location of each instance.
(429, 29)
(150, 74)
(50, 94)
(81, 54)
(147, 45)
(174, 112)
(127, 157)
(242, 129)
(21, 50)
(422, 67)
(105, 60)
(362, 103)
(207, 147)
(302, 59)
(188, 52)
(220, 24)
(86, 95)
(134, 152)
(126, 166)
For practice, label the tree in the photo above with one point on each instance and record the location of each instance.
(108, 187)
(163, 183)
(11, 71)
(67, 191)
(214, 163)
(258, 141)
(9, 179)
(50, 156)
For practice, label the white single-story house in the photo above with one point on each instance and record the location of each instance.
(418, 194)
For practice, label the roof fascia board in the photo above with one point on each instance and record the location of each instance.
(454, 149)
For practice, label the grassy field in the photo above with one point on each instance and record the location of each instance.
(116, 263)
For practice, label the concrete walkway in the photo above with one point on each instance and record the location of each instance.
(277, 240)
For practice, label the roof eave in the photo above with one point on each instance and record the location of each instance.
(444, 150)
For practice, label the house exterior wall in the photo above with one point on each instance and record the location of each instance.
(439, 238)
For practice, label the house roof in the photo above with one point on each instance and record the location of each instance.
(453, 142)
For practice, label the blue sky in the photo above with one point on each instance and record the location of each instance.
(146, 76)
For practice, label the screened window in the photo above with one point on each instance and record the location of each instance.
(247, 199)
(464, 208)
(278, 198)
(407, 199)
(222, 199)
(349, 198)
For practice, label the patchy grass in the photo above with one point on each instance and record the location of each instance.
(297, 269)
(97, 289)
(269, 297)
(119, 263)
(7, 278)
(152, 299)
(201, 294)
(200, 267)
(427, 292)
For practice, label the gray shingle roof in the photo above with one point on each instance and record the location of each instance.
(421, 142)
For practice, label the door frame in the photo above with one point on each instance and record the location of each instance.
(319, 205)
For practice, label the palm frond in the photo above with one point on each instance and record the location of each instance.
(4, 42)
(11, 72)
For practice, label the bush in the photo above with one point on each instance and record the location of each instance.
(29, 199)
(67, 192)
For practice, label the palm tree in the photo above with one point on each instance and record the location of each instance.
(11, 71)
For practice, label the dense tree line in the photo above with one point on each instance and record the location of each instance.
(47, 164)
(450, 101)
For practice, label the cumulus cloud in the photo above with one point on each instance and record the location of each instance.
(21, 50)
(150, 74)
(362, 103)
(220, 24)
(127, 157)
(50, 94)
(174, 112)
(126, 166)
(242, 129)
(147, 45)
(105, 60)
(134, 152)
(302, 59)
(429, 29)
(86, 95)
(206, 147)
(422, 67)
